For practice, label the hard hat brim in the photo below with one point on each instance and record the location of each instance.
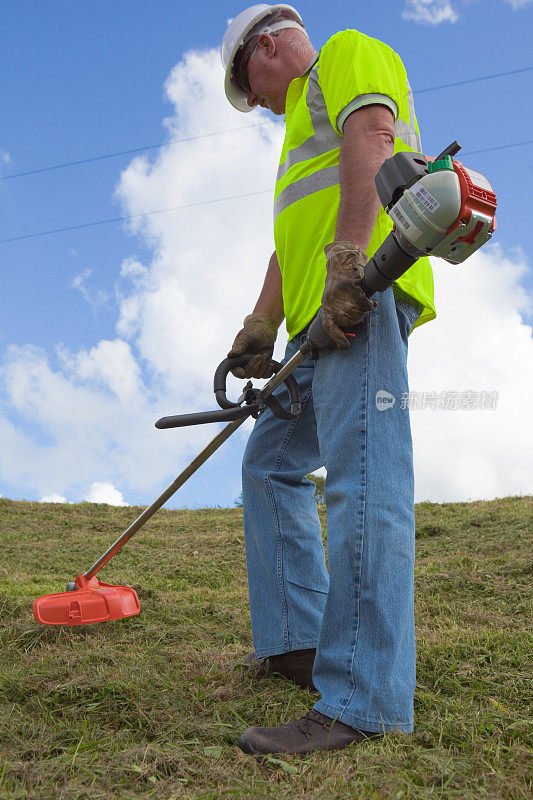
(235, 94)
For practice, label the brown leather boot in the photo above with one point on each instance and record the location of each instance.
(314, 731)
(296, 665)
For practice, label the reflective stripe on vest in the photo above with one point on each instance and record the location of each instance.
(321, 179)
(325, 139)
(408, 133)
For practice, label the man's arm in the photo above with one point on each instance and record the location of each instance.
(261, 327)
(368, 141)
(270, 300)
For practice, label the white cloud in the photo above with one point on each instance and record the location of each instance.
(95, 297)
(110, 365)
(433, 12)
(183, 309)
(88, 416)
(71, 417)
(53, 498)
(479, 342)
(105, 493)
(516, 5)
(5, 158)
(430, 12)
(74, 419)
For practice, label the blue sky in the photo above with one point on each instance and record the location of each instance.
(87, 79)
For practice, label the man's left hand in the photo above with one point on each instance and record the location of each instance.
(344, 303)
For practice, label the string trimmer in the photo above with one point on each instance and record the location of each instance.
(439, 208)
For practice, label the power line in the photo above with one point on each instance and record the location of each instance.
(131, 216)
(127, 152)
(473, 80)
(230, 130)
(202, 203)
(499, 147)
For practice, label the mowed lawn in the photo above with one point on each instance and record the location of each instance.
(152, 706)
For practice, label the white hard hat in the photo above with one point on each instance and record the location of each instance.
(237, 34)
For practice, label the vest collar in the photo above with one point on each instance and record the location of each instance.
(312, 63)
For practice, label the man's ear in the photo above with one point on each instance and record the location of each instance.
(268, 44)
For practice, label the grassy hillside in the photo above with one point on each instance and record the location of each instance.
(152, 706)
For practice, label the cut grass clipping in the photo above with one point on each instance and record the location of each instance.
(152, 706)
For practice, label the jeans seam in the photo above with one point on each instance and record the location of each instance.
(290, 431)
(363, 507)
(270, 494)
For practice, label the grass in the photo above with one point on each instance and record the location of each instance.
(152, 706)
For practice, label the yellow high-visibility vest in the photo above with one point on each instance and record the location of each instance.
(352, 70)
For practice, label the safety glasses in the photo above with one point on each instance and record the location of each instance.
(240, 67)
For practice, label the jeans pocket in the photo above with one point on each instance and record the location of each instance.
(409, 310)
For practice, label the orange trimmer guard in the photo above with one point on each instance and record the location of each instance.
(92, 601)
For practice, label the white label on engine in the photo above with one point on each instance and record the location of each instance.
(410, 230)
(479, 180)
(425, 197)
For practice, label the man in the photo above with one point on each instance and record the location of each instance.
(349, 632)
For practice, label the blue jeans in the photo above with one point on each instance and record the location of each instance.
(360, 615)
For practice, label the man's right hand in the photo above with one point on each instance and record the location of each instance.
(257, 336)
(344, 303)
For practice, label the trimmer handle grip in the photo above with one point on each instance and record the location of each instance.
(319, 339)
(317, 336)
(200, 418)
(222, 372)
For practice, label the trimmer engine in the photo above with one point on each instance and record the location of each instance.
(439, 208)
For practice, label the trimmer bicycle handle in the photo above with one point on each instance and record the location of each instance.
(222, 372)
(225, 367)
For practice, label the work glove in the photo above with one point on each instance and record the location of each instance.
(257, 336)
(344, 303)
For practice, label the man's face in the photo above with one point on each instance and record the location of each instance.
(265, 76)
